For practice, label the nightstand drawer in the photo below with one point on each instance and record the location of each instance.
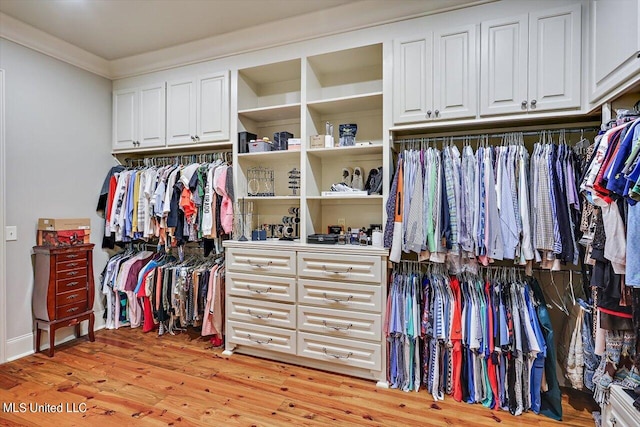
(264, 337)
(70, 284)
(256, 286)
(351, 296)
(340, 323)
(71, 309)
(79, 273)
(340, 351)
(71, 297)
(260, 261)
(71, 265)
(343, 268)
(262, 312)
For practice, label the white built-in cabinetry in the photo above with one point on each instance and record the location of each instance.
(531, 63)
(191, 111)
(198, 109)
(311, 305)
(619, 410)
(299, 96)
(139, 117)
(435, 76)
(615, 46)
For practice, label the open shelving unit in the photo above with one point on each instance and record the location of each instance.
(300, 96)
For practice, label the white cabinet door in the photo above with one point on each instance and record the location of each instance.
(181, 112)
(413, 79)
(125, 119)
(504, 51)
(213, 108)
(554, 59)
(615, 45)
(152, 116)
(455, 73)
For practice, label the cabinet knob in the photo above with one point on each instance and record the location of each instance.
(524, 104)
(428, 113)
(613, 421)
(193, 138)
(437, 113)
(197, 138)
(533, 103)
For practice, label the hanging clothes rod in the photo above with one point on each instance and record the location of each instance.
(472, 137)
(183, 159)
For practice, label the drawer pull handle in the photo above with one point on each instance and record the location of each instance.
(338, 299)
(336, 356)
(73, 296)
(72, 309)
(70, 284)
(335, 327)
(258, 291)
(267, 265)
(73, 273)
(257, 341)
(259, 316)
(324, 270)
(71, 256)
(73, 264)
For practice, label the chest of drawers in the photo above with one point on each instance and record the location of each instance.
(63, 290)
(311, 305)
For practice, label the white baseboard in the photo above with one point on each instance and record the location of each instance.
(20, 347)
(25, 345)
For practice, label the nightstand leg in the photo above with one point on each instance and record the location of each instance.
(52, 339)
(92, 319)
(77, 330)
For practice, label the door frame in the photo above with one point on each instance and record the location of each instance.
(3, 263)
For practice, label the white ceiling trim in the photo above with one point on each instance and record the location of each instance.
(33, 38)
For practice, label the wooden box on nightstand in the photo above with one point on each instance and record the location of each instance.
(63, 291)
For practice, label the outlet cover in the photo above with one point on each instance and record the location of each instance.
(11, 233)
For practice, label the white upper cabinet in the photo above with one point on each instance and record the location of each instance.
(198, 109)
(615, 46)
(213, 108)
(139, 117)
(435, 76)
(531, 62)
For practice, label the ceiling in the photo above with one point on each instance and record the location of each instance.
(123, 38)
(114, 29)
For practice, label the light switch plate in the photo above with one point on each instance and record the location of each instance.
(11, 233)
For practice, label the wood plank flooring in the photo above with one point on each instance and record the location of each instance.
(128, 378)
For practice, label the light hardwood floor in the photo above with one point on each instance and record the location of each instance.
(128, 378)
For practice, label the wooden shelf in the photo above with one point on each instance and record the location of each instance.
(347, 199)
(272, 113)
(347, 104)
(341, 152)
(270, 156)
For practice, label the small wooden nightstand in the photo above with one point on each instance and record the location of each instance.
(63, 291)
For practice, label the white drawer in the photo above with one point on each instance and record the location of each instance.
(264, 337)
(260, 261)
(340, 323)
(351, 296)
(340, 351)
(620, 411)
(256, 286)
(261, 312)
(343, 268)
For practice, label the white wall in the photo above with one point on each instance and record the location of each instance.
(58, 143)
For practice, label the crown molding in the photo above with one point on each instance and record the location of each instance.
(33, 38)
